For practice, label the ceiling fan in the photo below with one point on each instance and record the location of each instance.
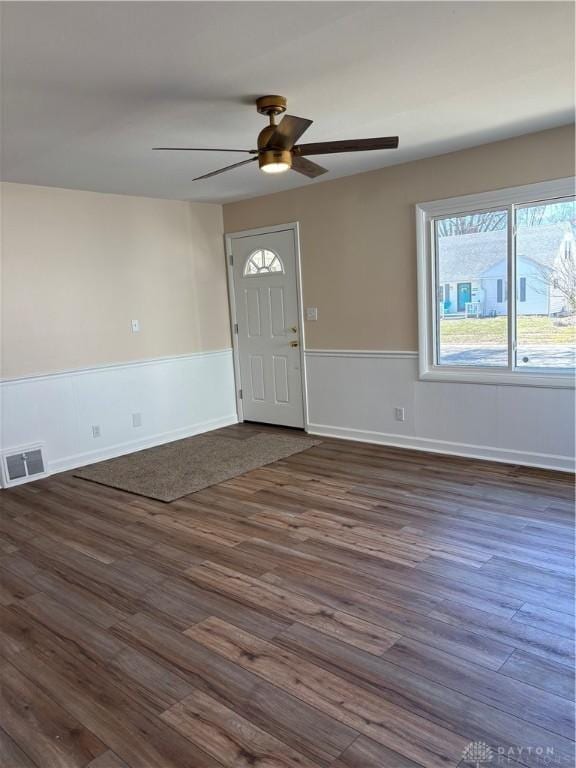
(277, 149)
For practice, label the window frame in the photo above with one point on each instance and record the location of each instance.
(426, 214)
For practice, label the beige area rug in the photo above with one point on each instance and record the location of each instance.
(177, 469)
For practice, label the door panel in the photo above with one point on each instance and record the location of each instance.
(281, 379)
(277, 311)
(252, 301)
(266, 298)
(257, 386)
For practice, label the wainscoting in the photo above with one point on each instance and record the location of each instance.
(353, 394)
(176, 397)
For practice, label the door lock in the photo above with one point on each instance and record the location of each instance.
(293, 343)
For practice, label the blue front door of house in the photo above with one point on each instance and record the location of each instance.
(464, 295)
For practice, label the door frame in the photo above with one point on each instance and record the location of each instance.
(294, 226)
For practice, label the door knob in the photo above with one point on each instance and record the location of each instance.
(293, 343)
(293, 329)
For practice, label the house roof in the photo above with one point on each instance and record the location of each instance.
(466, 257)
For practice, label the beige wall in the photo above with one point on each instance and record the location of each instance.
(77, 267)
(358, 233)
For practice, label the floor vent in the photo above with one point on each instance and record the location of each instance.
(22, 465)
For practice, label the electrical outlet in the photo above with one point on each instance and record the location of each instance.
(96, 430)
(400, 414)
(136, 419)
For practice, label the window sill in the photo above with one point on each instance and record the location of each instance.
(517, 379)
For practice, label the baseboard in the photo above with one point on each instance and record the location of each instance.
(488, 453)
(113, 451)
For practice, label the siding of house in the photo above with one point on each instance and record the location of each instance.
(536, 294)
(492, 294)
(485, 292)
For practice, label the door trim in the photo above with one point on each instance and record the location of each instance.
(294, 226)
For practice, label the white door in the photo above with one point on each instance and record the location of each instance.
(268, 333)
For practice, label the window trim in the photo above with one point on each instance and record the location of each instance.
(427, 330)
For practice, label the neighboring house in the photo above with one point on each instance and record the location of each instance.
(472, 271)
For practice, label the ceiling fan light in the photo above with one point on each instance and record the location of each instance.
(275, 160)
(275, 167)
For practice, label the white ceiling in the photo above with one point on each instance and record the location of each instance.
(90, 87)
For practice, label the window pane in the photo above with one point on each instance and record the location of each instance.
(472, 309)
(546, 278)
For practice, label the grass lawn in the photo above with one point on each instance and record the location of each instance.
(492, 330)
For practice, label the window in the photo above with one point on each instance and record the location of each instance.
(466, 248)
(497, 286)
(522, 289)
(546, 269)
(262, 262)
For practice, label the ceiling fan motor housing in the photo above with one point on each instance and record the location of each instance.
(271, 105)
(264, 136)
(268, 155)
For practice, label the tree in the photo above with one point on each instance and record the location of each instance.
(528, 216)
(475, 222)
(560, 278)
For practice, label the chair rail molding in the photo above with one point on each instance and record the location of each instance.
(373, 353)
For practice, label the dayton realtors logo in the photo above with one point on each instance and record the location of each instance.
(478, 753)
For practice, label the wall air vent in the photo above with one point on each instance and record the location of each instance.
(23, 464)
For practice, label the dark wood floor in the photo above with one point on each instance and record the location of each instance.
(352, 606)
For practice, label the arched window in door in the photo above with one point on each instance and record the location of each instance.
(262, 262)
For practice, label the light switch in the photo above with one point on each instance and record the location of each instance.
(311, 313)
(135, 326)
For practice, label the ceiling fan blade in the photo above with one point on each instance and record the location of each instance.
(347, 145)
(223, 170)
(288, 131)
(307, 167)
(204, 149)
